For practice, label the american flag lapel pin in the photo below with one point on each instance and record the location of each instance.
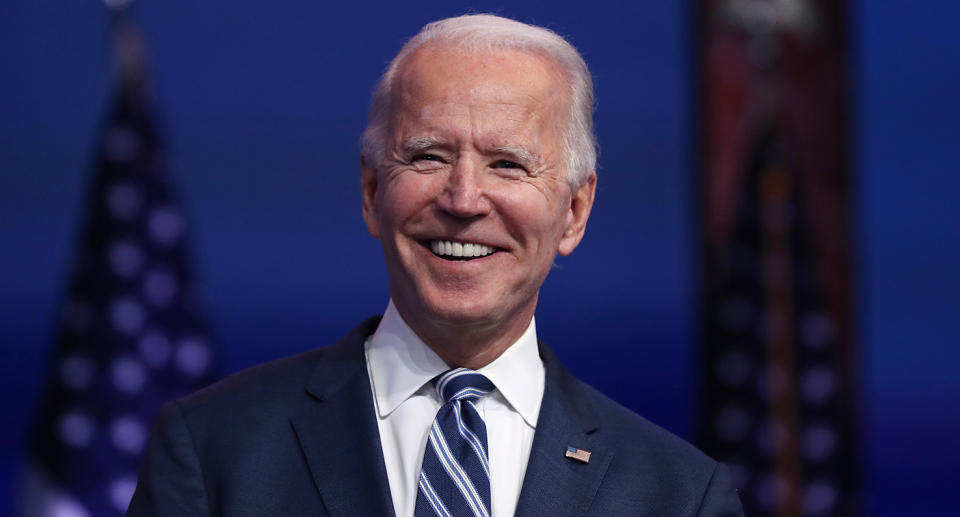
(578, 454)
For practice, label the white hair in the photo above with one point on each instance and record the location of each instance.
(483, 33)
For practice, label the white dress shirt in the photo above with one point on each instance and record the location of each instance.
(401, 367)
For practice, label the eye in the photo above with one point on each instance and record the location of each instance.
(427, 157)
(506, 164)
(427, 162)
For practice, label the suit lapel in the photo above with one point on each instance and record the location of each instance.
(554, 484)
(338, 432)
(341, 443)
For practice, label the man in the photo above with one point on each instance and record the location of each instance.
(478, 168)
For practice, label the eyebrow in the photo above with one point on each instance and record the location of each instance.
(418, 144)
(522, 154)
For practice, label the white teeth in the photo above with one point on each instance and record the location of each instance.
(459, 249)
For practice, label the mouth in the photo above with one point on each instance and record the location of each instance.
(458, 251)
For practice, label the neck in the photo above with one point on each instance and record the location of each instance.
(470, 345)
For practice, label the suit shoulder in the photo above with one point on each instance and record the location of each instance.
(651, 464)
(634, 433)
(270, 382)
(256, 388)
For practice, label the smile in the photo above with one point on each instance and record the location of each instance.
(451, 250)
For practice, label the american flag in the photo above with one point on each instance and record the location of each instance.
(778, 364)
(578, 454)
(130, 335)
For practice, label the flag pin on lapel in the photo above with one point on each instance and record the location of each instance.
(578, 454)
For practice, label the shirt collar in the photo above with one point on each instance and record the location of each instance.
(400, 363)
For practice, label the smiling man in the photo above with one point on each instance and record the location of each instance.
(478, 168)
(470, 194)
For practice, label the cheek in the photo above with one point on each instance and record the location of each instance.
(537, 219)
(404, 196)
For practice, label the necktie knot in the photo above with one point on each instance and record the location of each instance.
(461, 384)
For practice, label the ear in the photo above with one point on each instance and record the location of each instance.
(368, 190)
(581, 201)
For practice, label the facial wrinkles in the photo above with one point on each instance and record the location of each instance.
(489, 120)
(505, 127)
(511, 132)
(501, 141)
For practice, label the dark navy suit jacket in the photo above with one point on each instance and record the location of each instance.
(298, 436)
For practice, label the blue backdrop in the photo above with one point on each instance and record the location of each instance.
(263, 105)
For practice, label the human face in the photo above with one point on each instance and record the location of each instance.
(474, 162)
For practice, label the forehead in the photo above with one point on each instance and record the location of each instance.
(439, 76)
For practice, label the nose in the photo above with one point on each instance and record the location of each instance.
(463, 195)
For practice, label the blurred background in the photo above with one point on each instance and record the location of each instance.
(769, 270)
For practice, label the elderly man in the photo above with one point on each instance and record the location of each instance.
(478, 168)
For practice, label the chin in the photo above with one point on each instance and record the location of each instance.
(461, 310)
(466, 307)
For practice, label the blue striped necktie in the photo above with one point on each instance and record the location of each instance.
(455, 476)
